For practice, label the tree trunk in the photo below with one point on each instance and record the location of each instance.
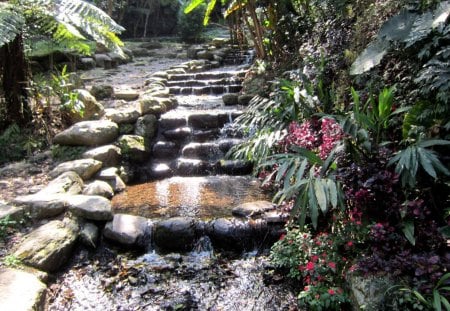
(258, 31)
(15, 78)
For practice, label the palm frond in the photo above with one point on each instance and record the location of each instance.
(11, 23)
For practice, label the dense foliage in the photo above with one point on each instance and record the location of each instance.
(360, 160)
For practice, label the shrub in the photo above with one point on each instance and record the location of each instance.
(190, 25)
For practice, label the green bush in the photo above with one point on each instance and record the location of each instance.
(190, 25)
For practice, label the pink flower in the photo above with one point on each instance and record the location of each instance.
(314, 258)
(310, 266)
(306, 288)
(331, 291)
(282, 237)
(350, 243)
(332, 265)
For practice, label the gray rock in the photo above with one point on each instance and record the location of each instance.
(133, 147)
(68, 182)
(244, 100)
(92, 109)
(251, 209)
(91, 207)
(127, 95)
(88, 133)
(192, 51)
(367, 293)
(103, 60)
(102, 91)
(151, 45)
(128, 230)
(111, 176)
(165, 149)
(230, 99)
(85, 168)
(109, 155)
(161, 74)
(87, 63)
(156, 105)
(48, 246)
(204, 54)
(89, 234)
(20, 291)
(146, 126)
(175, 234)
(42, 205)
(11, 211)
(99, 187)
(236, 234)
(124, 115)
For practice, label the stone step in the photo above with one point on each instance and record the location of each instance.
(202, 83)
(211, 75)
(205, 90)
(197, 119)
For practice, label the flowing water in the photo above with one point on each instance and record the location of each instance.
(189, 179)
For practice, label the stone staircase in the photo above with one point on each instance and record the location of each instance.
(192, 139)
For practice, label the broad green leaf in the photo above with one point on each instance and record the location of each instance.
(370, 57)
(320, 194)
(445, 303)
(209, 9)
(313, 206)
(433, 142)
(426, 162)
(331, 185)
(192, 5)
(408, 230)
(437, 301)
(443, 279)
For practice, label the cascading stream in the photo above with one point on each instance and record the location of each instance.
(191, 193)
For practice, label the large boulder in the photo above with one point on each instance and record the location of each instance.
(99, 187)
(49, 246)
(20, 291)
(127, 95)
(91, 207)
(92, 109)
(109, 155)
(111, 176)
(368, 292)
(251, 209)
(88, 133)
(12, 212)
(42, 205)
(133, 147)
(85, 168)
(102, 91)
(146, 126)
(176, 234)
(68, 182)
(128, 230)
(156, 105)
(125, 115)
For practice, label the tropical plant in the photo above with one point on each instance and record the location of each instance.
(437, 300)
(409, 160)
(66, 22)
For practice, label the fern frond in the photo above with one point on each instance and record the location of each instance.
(11, 23)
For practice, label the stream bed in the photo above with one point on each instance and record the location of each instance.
(108, 278)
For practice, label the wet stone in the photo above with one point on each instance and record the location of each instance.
(251, 209)
(202, 151)
(128, 230)
(226, 144)
(203, 120)
(193, 167)
(165, 150)
(180, 133)
(176, 234)
(235, 167)
(205, 135)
